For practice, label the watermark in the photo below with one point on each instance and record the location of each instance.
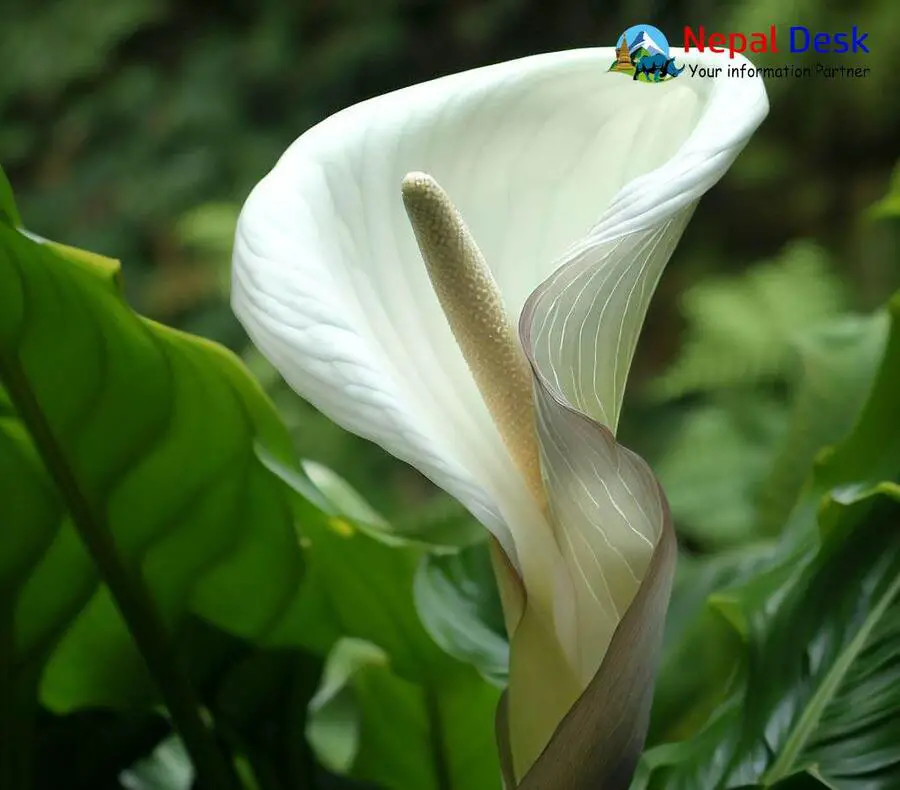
(642, 52)
(784, 72)
(800, 40)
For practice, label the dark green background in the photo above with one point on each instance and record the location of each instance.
(137, 128)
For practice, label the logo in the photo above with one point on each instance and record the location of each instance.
(643, 53)
(800, 39)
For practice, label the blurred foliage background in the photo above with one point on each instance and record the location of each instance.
(137, 128)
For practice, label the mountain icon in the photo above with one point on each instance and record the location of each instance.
(643, 40)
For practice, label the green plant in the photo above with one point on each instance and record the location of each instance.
(147, 520)
(811, 631)
(247, 620)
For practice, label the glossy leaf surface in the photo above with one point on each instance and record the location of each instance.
(818, 693)
(114, 426)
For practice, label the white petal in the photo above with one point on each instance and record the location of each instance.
(329, 282)
(587, 317)
(580, 329)
(607, 512)
(584, 322)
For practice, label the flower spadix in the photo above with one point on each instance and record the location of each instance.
(473, 305)
(459, 271)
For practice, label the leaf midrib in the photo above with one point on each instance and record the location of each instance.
(132, 597)
(814, 709)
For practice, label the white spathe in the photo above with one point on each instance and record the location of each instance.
(576, 184)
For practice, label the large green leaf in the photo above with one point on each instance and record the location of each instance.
(140, 440)
(394, 708)
(872, 453)
(372, 724)
(836, 365)
(697, 636)
(818, 692)
(173, 433)
(459, 605)
(821, 685)
(8, 211)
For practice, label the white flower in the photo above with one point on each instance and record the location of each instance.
(575, 183)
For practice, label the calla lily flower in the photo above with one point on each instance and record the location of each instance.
(459, 271)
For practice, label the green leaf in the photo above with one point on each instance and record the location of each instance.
(713, 494)
(818, 692)
(357, 603)
(342, 499)
(699, 637)
(9, 214)
(442, 526)
(889, 205)
(758, 453)
(168, 768)
(376, 726)
(801, 781)
(457, 599)
(359, 584)
(141, 439)
(333, 730)
(836, 365)
(739, 329)
(820, 688)
(872, 452)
